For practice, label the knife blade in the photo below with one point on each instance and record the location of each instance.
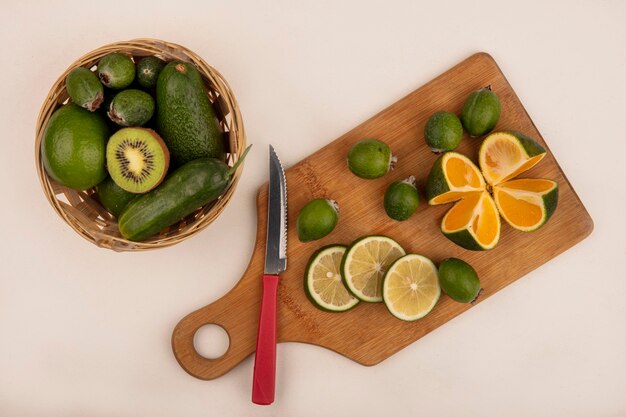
(263, 381)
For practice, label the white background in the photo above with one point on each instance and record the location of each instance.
(86, 332)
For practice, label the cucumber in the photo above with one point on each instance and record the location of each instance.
(185, 117)
(190, 187)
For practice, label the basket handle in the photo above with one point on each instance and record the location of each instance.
(237, 313)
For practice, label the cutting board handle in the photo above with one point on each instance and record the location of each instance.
(237, 313)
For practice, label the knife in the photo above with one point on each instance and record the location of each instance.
(275, 263)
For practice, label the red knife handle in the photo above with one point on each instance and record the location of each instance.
(265, 357)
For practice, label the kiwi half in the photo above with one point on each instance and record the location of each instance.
(137, 159)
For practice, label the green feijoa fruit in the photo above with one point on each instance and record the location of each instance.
(185, 117)
(317, 219)
(116, 70)
(131, 108)
(401, 199)
(443, 132)
(370, 158)
(137, 159)
(84, 88)
(148, 70)
(73, 147)
(459, 280)
(113, 197)
(190, 187)
(481, 112)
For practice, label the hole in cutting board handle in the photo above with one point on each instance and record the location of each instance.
(211, 341)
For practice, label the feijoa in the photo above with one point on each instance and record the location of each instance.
(131, 108)
(73, 147)
(84, 88)
(317, 219)
(370, 158)
(113, 197)
(401, 199)
(443, 132)
(148, 70)
(481, 112)
(116, 70)
(459, 280)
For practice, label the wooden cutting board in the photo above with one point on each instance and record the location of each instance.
(368, 334)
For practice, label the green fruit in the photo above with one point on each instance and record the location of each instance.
(370, 158)
(443, 132)
(185, 117)
(84, 88)
(401, 199)
(148, 70)
(190, 187)
(137, 159)
(113, 197)
(131, 108)
(481, 112)
(459, 280)
(322, 281)
(317, 219)
(73, 147)
(116, 71)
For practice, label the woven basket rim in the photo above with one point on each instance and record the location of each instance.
(223, 100)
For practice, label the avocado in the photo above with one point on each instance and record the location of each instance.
(185, 116)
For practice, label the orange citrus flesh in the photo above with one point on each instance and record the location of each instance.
(529, 184)
(449, 197)
(460, 215)
(505, 159)
(520, 201)
(477, 213)
(486, 224)
(523, 212)
(461, 174)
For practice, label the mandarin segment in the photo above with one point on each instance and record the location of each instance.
(453, 176)
(526, 204)
(504, 155)
(473, 223)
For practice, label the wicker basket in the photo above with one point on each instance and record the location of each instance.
(82, 211)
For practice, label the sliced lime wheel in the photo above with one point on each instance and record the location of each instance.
(365, 263)
(411, 287)
(322, 280)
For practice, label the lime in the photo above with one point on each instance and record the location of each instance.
(365, 263)
(459, 280)
(113, 197)
(317, 219)
(322, 280)
(443, 132)
(370, 158)
(481, 112)
(401, 199)
(411, 288)
(73, 147)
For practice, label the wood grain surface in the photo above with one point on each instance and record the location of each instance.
(368, 334)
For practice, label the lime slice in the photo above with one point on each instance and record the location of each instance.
(322, 281)
(411, 287)
(365, 263)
